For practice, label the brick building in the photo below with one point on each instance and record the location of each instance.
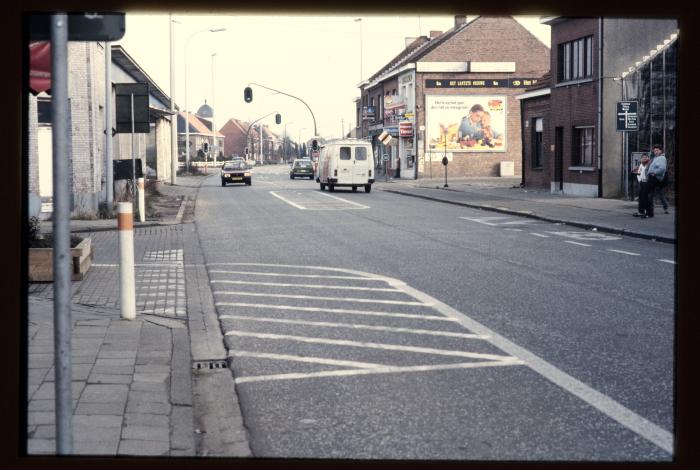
(86, 93)
(582, 153)
(440, 89)
(201, 132)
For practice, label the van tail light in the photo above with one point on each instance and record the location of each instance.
(370, 173)
(335, 172)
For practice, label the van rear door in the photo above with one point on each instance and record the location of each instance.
(361, 165)
(345, 165)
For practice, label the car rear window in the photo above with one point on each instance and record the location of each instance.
(345, 153)
(360, 153)
(302, 164)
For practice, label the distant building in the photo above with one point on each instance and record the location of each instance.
(201, 130)
(571, 141)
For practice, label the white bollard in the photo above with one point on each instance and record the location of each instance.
(142, 200)
(127, 284)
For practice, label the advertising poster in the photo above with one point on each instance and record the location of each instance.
(466, 123)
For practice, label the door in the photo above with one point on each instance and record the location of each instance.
(361, 165)
(559, 158)
(345, 165)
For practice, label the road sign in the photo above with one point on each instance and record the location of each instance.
(627, 116)
(384, 137)
(123, 92)
(385, 157)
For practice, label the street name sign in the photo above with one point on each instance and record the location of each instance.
(627, 118)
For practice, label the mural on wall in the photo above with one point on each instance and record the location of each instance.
(466, 123)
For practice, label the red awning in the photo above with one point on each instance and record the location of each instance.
(40, 67)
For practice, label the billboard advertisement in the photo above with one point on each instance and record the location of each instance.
(465, 123)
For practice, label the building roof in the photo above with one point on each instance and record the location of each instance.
(129, 65)
(205, 111)
(653, 53)
(196, 125)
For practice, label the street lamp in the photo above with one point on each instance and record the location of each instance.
(213, 111)
(173, 116)
(285, 140)
(359, 20)
(299, 149)
(187, 113)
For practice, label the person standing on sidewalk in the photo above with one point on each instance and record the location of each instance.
(643, 199)
(663, 182)
(398, 168)
(655, 174)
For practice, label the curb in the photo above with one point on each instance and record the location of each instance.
(584, 225)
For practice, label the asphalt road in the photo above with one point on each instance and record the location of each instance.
(387, 327)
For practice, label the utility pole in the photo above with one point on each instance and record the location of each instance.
(173, 115)
(109, 177)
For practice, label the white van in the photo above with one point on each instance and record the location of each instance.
(346, 163)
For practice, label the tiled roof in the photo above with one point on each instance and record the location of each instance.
(198, 126)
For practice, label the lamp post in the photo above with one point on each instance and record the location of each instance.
(215, 147)
(285, 140)
(299, 152)
(187, 113)
(173, 115)
(359, 20)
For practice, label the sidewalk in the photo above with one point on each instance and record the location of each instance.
(136, 387)
(505, 195)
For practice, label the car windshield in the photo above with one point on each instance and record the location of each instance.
(302, 164)
(234, 166)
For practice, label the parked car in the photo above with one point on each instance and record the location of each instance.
(302, 167)
(236, 171)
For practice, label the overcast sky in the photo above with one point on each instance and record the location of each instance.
(316, 58)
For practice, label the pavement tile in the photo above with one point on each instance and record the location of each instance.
(150, 387)
(99, 409)
(140, 447)
(104, 393)
(113, 370)
(95, 447)
(146, 419)
(44, 431)
(152, 407)
(152, 396)
(110, 379)
(147, 433)
(41, 417)
(152, 377)
(41, 446)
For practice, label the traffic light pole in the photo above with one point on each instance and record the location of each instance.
(291, 96)
(251, 126)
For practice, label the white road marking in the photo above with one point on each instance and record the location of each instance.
(361, 206)
(314, 286)
(313, 360)
(342, 299)
(363, 344)
(513, 229)
(539, 235)
(576, 243)
(335, 310)
(586, 235)
(516, 222)
(484, 220)
(377, 370)
(624, 252)
(287, 201)
(626, 417)
(670, 261)
(355, 326)
(316, 276)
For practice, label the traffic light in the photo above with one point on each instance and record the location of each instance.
(246, 151)
(206, 148)
(248, 94)
(278, 118)
(314, 144)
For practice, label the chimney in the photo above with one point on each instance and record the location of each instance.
(434, 34)
(409, 41)
(460, 20)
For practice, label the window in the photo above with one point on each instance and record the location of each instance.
(575, 59)
(44, 110)
(360, 153)
(393, 92)
(537, 143)
(345, 153)
(582, 151)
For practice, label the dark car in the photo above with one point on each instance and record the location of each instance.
(302, 167)
(236, 171)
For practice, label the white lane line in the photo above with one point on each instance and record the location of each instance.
(342, 299)
(314, 286)
(377, 370)
(362, 206)
(355, 326)
(313, 360)
(315, 276)
(626, 417)
(363, 344)
(576, 243)
(624, 252)
(513, 229)
(483, 220)
(287, 200)
(539, 235)
(516, 222)
(670, 261)
(335, 310)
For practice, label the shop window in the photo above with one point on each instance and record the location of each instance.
(537, 151)
(582, 148)
(575, 59)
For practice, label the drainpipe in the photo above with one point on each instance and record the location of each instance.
(600, 106)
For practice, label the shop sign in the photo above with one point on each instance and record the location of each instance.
(368, 112)
(406, 129)
(482, 83)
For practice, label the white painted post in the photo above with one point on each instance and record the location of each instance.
(127, 285)
(142, 200)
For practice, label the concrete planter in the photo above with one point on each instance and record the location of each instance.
(41, 262)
